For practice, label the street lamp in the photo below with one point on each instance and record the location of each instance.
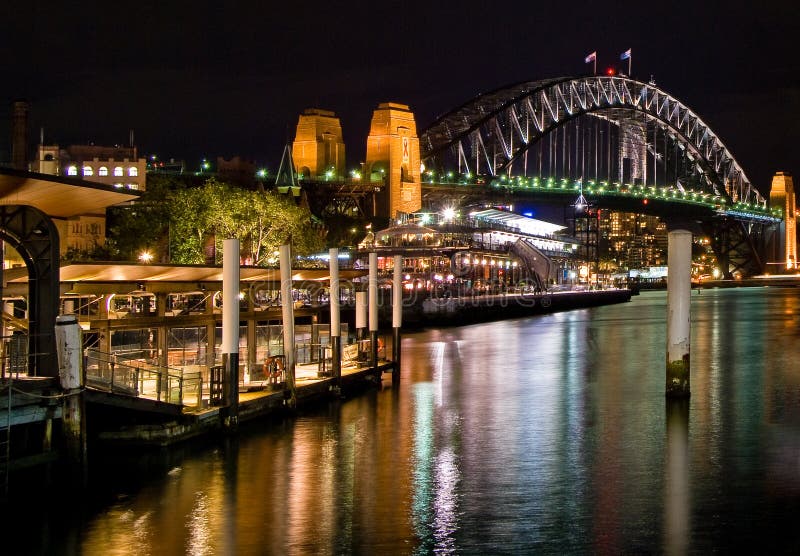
(146, 257)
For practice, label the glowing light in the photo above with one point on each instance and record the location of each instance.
(448, 213)
(146, 257)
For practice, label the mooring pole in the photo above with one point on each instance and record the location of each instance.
(397, 315)
(287, 306)
(372, 290)
(230, 332)
(69, 348)
(679, 297)
(336, 329)
(361, 321)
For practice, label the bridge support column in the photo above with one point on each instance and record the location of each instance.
(679, 297)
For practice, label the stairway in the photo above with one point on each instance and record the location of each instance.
(537, 263)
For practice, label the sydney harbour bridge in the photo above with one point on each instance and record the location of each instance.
(595, 142)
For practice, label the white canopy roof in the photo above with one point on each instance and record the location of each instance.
(522, 223)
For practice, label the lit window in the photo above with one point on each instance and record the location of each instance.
(133, 171)
(118, 171)
(133, 186)
(87, 171)
(103, 171)
(72, 171)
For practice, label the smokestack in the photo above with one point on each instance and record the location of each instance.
(19, 136)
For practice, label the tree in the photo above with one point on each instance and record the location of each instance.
(260, 221)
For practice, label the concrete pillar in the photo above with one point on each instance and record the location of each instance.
(679, 297)
(336, 328)
(230, 331)
(361, 318)
(211, 332)
(251, 349)
(372, 290)
(287, 307)
(69, 350)
(397, 315)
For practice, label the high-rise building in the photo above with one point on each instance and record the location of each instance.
(633, 241)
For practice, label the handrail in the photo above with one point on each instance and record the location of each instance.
(138, 378)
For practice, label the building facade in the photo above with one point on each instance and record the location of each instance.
(318, 148)
(118, 167)
(782, 196)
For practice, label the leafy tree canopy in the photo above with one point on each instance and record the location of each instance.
(188, 225)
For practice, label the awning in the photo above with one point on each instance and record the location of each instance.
(58, 196)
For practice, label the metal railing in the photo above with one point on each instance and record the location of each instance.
(137, 378)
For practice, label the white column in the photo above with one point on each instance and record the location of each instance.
(287, 306)
(230, 330)
(397, 292)
(397, 315)
(69, 350)
(230, 296)
(372, 288)
(361, 310)
(679, 297)
(336, 329)
(334, 293)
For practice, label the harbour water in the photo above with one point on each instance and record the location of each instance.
(543, 435)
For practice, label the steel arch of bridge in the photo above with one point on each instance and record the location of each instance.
(511, 119)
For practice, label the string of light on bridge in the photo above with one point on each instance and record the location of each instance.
(601, 188)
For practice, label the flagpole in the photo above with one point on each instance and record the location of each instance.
(630, 58)
(595, 64)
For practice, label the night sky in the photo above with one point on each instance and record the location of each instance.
(196, 79)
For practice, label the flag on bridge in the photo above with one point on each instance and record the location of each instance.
(592, 58)
(627, 56)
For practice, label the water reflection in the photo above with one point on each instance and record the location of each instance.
(541, 435)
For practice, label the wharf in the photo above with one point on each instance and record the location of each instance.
(461, 310)
(256, 400)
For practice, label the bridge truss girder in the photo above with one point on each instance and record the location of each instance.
(491, 132)
(342, 198)
(737, 244)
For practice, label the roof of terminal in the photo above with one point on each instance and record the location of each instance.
(58, 196)
(524, 224)
(97, 278)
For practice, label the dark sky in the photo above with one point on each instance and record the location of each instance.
(202, 78)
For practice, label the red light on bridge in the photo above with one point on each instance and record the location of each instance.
(610, 71)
